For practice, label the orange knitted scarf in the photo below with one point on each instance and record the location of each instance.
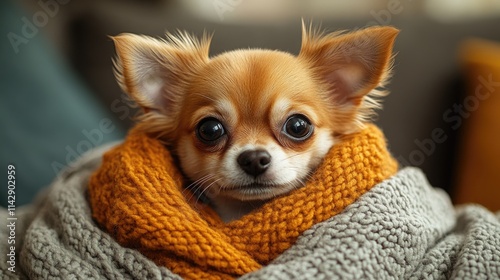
(137, 196)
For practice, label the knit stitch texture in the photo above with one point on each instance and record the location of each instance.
(137, 196)
(402, 228)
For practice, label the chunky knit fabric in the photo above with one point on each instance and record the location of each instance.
(137, 196)
(402, 228)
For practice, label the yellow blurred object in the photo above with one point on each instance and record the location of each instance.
(478, 173)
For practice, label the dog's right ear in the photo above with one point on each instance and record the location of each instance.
(153, 72)
(353, 68)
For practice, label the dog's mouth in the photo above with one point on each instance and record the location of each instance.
(257, 191)
(254, 186)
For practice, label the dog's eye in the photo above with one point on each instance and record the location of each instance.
(298, 127)
(210, 130)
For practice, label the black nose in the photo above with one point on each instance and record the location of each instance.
(254, 162)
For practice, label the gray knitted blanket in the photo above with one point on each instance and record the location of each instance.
(401, 229)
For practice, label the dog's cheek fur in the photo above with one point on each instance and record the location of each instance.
(195, 163)
(324, 140)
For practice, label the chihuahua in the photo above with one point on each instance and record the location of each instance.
(250, 125)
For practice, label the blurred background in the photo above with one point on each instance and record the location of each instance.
(59, 97)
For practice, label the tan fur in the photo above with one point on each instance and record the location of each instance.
(319, 48)
(334, 82)
(180, 54)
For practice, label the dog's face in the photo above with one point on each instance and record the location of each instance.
(254, 124)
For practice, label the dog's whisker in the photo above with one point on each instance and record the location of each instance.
(208, 187)
(294, 155)
(201, 186)
(194, 187)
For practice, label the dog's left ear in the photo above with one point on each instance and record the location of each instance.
(351, 64)
(155, 73)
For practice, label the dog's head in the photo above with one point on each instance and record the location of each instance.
(253, 124)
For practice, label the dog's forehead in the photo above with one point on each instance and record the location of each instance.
(255, 71)
(253, 80)
(253, 88)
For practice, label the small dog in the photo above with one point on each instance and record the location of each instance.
(250, 125)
